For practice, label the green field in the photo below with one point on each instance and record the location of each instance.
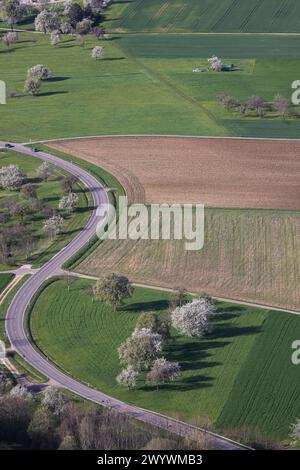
(145, 85)
(50, 192)
(5, 279)
(82, 337)
(205, 15)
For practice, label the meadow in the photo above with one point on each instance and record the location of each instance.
(145, 85)
(82, 337)
(49, 192)
(204, 15)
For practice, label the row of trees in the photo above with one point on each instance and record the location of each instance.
(141, 352)
(51, 420)
(72, 18)
(65, 15)
(257, 105)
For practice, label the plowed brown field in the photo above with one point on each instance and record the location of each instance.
(214, 172)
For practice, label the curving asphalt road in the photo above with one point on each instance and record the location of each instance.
(16, 312)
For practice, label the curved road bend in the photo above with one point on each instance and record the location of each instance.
(16, 312)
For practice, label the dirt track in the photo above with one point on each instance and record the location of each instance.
(215, 172)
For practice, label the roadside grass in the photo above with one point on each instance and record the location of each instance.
(49, 191)
(4, 306)
(108, 180)
(26, 370)
(194, 15)
(20, 364)
(248, 254)
(5, 279)
(82, 337)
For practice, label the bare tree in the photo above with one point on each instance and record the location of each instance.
(179, 297)
(258, 104)
(153, 322)
(282, 105)
(68, 182)
(28, 191)
(53, 226)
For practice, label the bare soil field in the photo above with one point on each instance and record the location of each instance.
(215, 172)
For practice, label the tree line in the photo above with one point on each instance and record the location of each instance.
(19, 211)
(51, 419)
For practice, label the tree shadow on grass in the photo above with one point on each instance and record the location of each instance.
(51, 93)
(191, 355)
(231, 331)
(5, 51)
(111, 59)
(57, 79)
(146, 306)
(185, 384)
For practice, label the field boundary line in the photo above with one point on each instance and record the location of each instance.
(225, 299)
(169, 136)
(169, 289)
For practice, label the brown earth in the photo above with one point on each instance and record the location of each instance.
(215, 172)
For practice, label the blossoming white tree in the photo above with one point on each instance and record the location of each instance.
(192, 319)
(128, 377)
(39, 71)
(98, 52)
(46, 21)
(11, 177)
(140, 349)
(215, 64)
(68, 202)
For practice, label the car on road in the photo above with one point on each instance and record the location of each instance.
(34, 149)
(8, 146)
